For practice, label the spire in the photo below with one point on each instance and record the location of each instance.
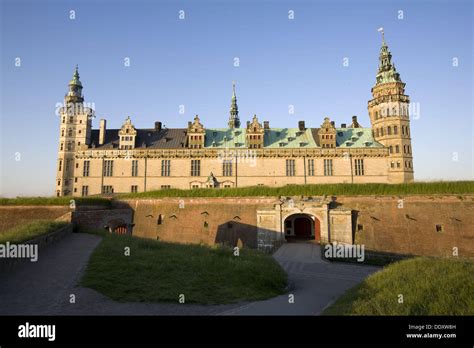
(234, 121)
(386, 72)
(75, 88)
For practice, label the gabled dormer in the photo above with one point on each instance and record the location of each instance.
(196, 134)
(127, 135)
(255, 134)
(327, 134)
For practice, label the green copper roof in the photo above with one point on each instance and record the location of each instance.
(289, 138)
(355, 137)
(387, 71)
(75, 78)
(286, 138)
(225, 137)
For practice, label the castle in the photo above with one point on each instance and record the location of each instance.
(106, 161)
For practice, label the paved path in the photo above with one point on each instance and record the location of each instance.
(44, 287)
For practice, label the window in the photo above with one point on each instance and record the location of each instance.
(62, 147)
(395, 130)
(108, 168)
(62, 132)
(439, 228)
(398, 164)
(227, 168)
(389, 130)
(328, 167)
(165, 168)
(69, 146)
(390, 149)
(85, 190)
(359, 166)
(107, 189)
(290, 167)
(165, 187)
(60, 165)
(377, 132)
(392, 164)
(311, 167)
(67, 166)
(134, 168)
(397, 149)
(195, 167)
(403, 130)
(85, 170)
(69, 132)
(134, 189)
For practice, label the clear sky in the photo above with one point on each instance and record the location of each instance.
(190, 62)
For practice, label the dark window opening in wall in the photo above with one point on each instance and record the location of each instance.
(229, 225)
(398, 164)
(85, 171)
(134, 189)
(75, 179)
(227, 168)
(311, 167)
(328, 167)
(108, 167)
(165, 187)
(290, 167)
(135, 168)
(75, 189)
(206, 224)
(360, 227)
(439, 228)
(195, 167)
(107, 189)
(160, 219)
(359, 166)
(395, 130)
(397, 149)
(165, 167)
(85, 190)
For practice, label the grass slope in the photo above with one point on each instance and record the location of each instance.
(55, 201)
(429, 287)
(32, 230)
(159, 272)
(448, 187)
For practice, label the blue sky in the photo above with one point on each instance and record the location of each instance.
(190, 62)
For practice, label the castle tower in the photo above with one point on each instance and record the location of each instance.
(234, 121)
(388, 111)
(75, 134)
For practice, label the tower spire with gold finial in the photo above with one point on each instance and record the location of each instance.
(234, 121)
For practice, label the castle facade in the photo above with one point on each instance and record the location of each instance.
(107, 161)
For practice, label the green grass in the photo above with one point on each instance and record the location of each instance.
(78, 201)
(442, 187)
(159, 272)
(32, 230)
(429, 287)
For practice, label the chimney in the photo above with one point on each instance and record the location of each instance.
(354, 118)
(157, 126)
(343, 125)
(301, 125)
(266, 125)
(333, 124)
(103, 124)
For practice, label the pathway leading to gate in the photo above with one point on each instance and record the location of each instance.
(45, 287)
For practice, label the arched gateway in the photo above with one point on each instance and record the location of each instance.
(302, 227)
(310, 218)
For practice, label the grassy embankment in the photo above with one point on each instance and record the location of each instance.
(29, 231)
(419, 188)
(159, 272)
(429, 286)
(78, 201)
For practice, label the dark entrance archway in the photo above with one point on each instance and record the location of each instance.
(302, 227)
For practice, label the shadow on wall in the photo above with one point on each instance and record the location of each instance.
(234, 233)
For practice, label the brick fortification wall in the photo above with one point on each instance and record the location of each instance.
(11, 216)
(408, 225)
(199, 220)
(378, 222)
(101, 218)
